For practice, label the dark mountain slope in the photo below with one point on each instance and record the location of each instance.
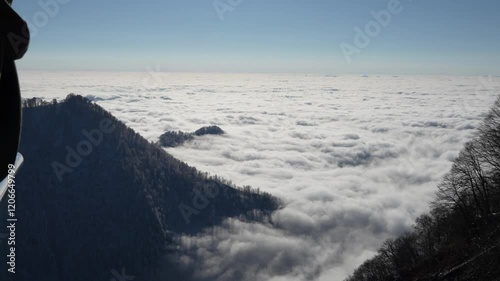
(460, 238)
(94, 196)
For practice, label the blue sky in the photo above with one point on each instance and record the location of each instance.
(455, 37)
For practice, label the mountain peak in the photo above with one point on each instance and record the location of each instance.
(122, 196)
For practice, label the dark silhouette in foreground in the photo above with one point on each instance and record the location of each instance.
(14, 40)
(460, 238)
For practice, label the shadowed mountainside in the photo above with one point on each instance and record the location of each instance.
(94, 196)
(460, 238)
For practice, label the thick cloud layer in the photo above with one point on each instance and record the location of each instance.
(356, 159)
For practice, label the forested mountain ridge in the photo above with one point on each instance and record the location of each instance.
(460, 238)
(94, 196)
(173, 139)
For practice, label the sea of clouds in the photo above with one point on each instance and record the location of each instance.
(355, 158)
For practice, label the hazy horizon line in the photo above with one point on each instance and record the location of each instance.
(367, 74)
